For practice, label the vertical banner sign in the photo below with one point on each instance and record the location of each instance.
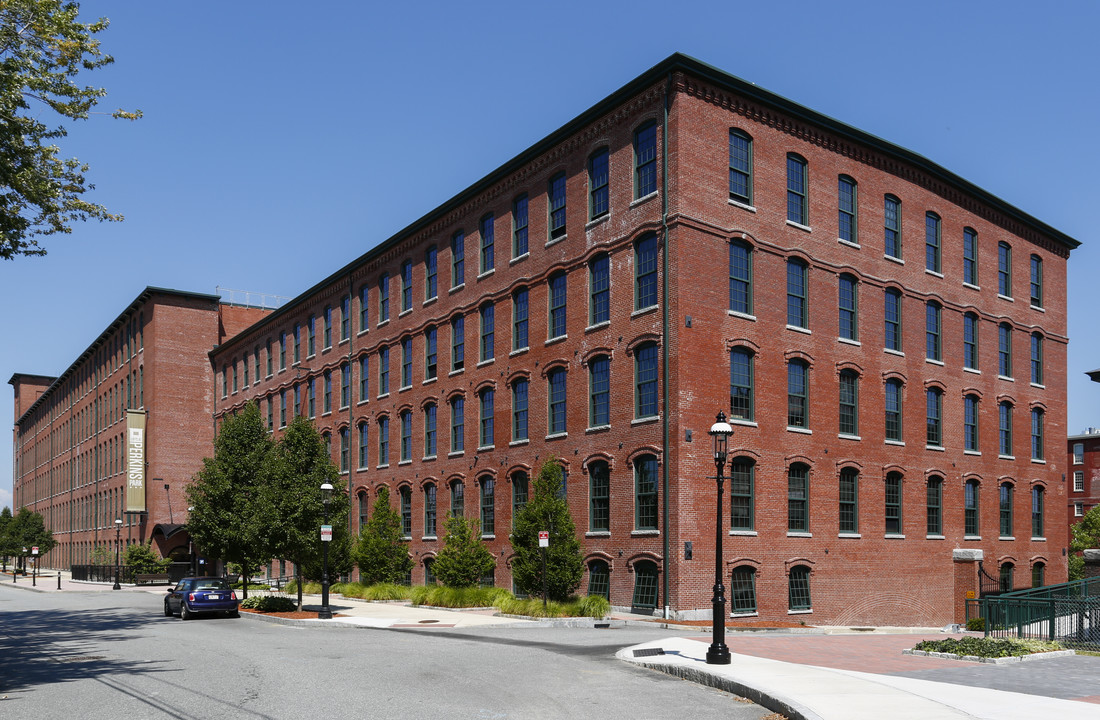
(135, 461)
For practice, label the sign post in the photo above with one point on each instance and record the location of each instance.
(326, 533)
(544, 542)
(34, 567)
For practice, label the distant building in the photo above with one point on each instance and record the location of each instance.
(133, 410)
(892, 340)
(1083, 478)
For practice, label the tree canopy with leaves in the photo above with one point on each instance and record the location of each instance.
(44, 47)
(26, 529)
(547, 510)
(226, 519)
(464, 560)
(1085, 535)
(382, 553)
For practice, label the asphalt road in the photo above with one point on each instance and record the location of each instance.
(114, 655)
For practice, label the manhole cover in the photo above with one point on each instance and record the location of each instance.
(428, 622)
(649, 652)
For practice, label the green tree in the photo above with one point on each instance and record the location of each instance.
(1085, 535)
(547, 510)
(103, 555)
(7, 543)
(228, 513)
(464, 559)
(43, 48)
(28, 529)
(382, 553)
(141, 559)
(293, 507)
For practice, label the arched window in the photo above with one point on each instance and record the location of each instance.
(406, 512)
(645, 493)
(1036, 359)
(741, 384)
(645, 159)
(847, 203)
(797, 293)
(429, 576)
(519, 493)
(1006, 509)
(798, 492)
(892, 225)
(741, 277)
(599, 496)
(740, 166)
(848, 304)
(429, 510)
(934, 417)
(1006, 577)
(971, 503)
(1004, 269)
(1036, 281)
(1004, 410)
(742, 494)
(645, 585)
(1037, 418)
(556, 401)
(1038, 574)
(849, 501)
(363, 505)
(599, 579)
(1037, 494)
(970, 341)
(894, 415)
(849, 403)
(645, 381)
(599, 289)
(645, 272)
(1004, 350)
(797, 182)
(893, 503)
(798, 398)
(488, 505)
(798, 584)
(935, 505)
(599, 391)
(458, 499)
(932, 255)
(598, 183)
(743, 590)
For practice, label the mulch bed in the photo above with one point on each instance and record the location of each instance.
(293, 614)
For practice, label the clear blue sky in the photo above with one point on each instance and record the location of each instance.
(283, 139)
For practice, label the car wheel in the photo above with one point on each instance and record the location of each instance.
(167, 610)
(185, 614)
(233, 614)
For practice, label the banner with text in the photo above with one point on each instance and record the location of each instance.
(135, 461)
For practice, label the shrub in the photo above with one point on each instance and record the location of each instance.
(269, 603)
(381, 552)
(986, 647)
(386, 591)
(976, 623)
(141, 559)
(443, 596)
(464, 559)
(547, 510)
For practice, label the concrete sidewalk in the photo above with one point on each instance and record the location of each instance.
(808, 692)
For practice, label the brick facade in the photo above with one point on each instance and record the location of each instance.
(69, 433)
(660, 241)
(1083, 476)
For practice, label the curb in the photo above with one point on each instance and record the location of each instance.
(788, 707)
(1012, 659)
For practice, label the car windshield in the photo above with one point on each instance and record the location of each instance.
(211, 584)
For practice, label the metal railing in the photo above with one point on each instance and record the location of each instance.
(1068, 613)
(106, 573)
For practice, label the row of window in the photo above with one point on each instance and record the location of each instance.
(743, 392)
(743, 503)
(599, 313)
(798, 304)
(741, 192)
(599, 493)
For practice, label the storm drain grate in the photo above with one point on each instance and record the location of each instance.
(649, 652)
(77, 658)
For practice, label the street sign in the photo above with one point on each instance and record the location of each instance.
(326, 533)
(34, 550)
(544, 538)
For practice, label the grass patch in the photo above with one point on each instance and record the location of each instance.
(594, 606)
(987, 647)
(378, 591)
(309, 588)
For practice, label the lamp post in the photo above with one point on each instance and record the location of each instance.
(326, 537)
(118, 531)
(718, 653)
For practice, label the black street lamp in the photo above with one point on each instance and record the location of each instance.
(326, 611)
(118, 531)
(718, 653)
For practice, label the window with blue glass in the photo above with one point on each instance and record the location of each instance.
(519, 319)
(297, 344)
(599, 381)
(327, 405)
(458, 259)
(431, 355)
(488, 332)
(1004, 269)
(406, 362)
(1037, 418)
(458, 499)
(798, 493)
(932, 347)
(406, 511)
(892, 226)
(364, 378)
(797, 210)
(384, 298)
(384, 371)
(383, 440)
(598, 184)
(741, 384)
(970, 423)
(599, 289)
(486, 434)
(1004, 350)
(1004, 430)
(556, 196)
(345, 317)
(740, 166)
(556, 408)
(282, 351)
(645, 381)
(557, 306)
(741, 277)
(796, 293)
(849, 501)
(1036, 281)
(849, 307)
(488, 257)
(458, 424)
(849, 403)
(970, 341)
(364, 292)
(458, 343)
(311, 397)
(892, 317)
(847, 203)
(893, 423)
(429, 430)
(429, 515)
(932, 255)
(645, 160)
(599, 496)
(363, 445)
(345, 385)
(742, 493)
(645, 272)
(798, 398)
(519, 409)
(1036, 359)
(970, 256)
(406, 435)
(934, 417)
(488, 505)
(645, 493)
(519, 226)
(406, 286)
(431, 273)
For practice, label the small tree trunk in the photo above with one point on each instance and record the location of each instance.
(298, 576)
(244, 591)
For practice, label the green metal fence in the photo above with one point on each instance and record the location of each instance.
(1068, 613)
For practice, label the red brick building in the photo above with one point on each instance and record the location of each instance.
(1083, 478)
(70, 434)
(892, 337)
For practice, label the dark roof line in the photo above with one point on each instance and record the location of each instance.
(673, 63)
(143, 296)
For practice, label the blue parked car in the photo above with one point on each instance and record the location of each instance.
(195, 595)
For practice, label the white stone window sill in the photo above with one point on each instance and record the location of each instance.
(799, 430)
(799, 329)
(743, 316)
(799, 533)
(743, 533)
(891, 258)
(743, 206)
(799, 226)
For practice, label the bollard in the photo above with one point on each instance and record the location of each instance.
(58, 580)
